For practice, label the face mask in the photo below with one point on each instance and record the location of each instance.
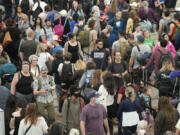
(98, 101)
(142, 132)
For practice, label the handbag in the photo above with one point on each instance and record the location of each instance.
(48, 64)
(27, 129)
(7, 39)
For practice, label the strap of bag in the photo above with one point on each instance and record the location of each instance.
(27, 129)
(59, 20)
(103, 59)
(138, 48)
(81, 104)
(38, 3)
(65, 22)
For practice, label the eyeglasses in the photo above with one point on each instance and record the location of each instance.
(35, 60)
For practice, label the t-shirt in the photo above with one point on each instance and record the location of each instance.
(43, 57)
(93, 116)
(42, 5)
(150, 43)
(48, 32)
(28, 48)
(143, 48)
(39, 129)
(98, 56)
(59, 47)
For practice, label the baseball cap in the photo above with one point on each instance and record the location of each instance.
(140, 38)
(44, 69)
(56, 38)
(93, 93)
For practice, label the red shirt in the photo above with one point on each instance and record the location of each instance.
(122, 89)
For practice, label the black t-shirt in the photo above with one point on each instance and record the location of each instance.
(28, 48)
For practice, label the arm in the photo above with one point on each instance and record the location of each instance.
(106, 126)
(21, 54)
(119, 98)
(82, 127)
(131, 61)
(66, 47)
(113, 52)
(80, 50)
(160, 29)
(13, 84)
(171, 29)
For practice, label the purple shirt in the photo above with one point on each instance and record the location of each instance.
(151, 14)
(94, 116)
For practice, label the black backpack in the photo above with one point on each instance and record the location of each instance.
(25, 6)
(37, 11)
(67, 73)
(175, 86)
(163, 57)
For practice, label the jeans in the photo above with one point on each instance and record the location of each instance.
(50, 110)
(58, 90)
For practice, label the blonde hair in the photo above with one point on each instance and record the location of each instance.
(24, 17)
(30, 33)
(96, 77)
(129, 92)
(40, 48)
(146, 6)
(80, 65)
(114, 6)
(167, 65)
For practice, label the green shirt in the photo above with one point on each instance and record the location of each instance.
(149, 42)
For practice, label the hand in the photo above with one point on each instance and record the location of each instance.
(70, 17)
(130, 69)
(44, 92)
(143, 67)
(108, 133)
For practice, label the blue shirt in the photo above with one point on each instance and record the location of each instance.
(174, 73)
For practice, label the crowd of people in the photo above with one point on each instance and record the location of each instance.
(101, 58)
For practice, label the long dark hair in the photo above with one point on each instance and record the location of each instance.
(109, 83)
(36, 22)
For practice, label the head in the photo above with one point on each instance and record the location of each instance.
(31, 113)
(96, 77)
(75, 4)
(163, 43)
(33, 59)
(118, 15)
(59, 54)
(57, 129)
(72, 37)
(10, 23)
(92, 24)
(76, 17)
(146, 90)
(38, 21)
(146, 34)
(21, 103)
(129, 92)
(19, 10)
(90, 65)
(67, 56)
(109, 83)
(11, 103)
(128, 78)
(74, 91)
(122, 34)
(25, 67)
(48, 22)
(24, 17)
(80, 65)
(140, 39)
(30, 33)
(166, 13)
(165, 36)
(167, 65)
(96, 2)
(142, 127)
(93, 96)
(105, 33)
(117, 56)
(131, 38)
(99, 43)
(44, 71)
(177, 60)
(138, 27)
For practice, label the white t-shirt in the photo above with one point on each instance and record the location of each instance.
(107, 99)
(39, 129)
(31, 2)
(43, 57)
(42, 5)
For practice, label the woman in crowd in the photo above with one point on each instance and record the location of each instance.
(18, 115)
(73, 46)
(43, 56)
(166, 117)
(3, 54)
(37, 28)
(9, 109)
(80, 69)
(19, 13)
(21, 83)
(75, 10)
(34, 68)
(96, 80)
(32, 123)
(23, 23)
(104, 36)
(112, 11)
(163, 78)
(170, 47)
(128, 112)
(107, 91)
(57, 129)
(147, 39)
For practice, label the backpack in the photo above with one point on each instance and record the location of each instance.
(59, 29)
(143, 58)
(123, 46)
(25, 6)
(67, 72)
(165, 25)
(177, 30)
(163, 57)
(37, 11)
(175, 86)
(145, 25)
(84, 38)
(80, 28)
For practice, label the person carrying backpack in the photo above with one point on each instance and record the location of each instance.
(159, 56)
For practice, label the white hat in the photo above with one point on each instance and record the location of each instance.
(134, 4)
(63, 13)
(177, 9)
(56, 38)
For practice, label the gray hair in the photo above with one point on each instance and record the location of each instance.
(146, 6)
(31, 57)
